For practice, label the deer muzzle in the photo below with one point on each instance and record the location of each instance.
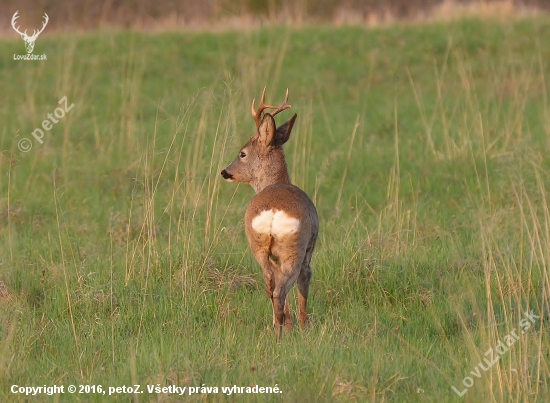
(227, 176)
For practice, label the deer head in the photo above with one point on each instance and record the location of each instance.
(261, 161)
(29, 40)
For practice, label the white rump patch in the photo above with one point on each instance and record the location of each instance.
(276, 223)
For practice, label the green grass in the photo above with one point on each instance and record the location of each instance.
(123, 258)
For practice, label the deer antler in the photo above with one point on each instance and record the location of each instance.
(283, 106)
(257, 113)
(13, 21)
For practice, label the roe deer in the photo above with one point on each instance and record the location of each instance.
(281, 221)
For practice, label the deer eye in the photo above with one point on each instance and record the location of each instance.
(242, 154)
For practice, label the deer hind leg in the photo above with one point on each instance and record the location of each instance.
(269, 278)
(273, 289)
(279, 278)
(279, 301)
(287, 315)
(269, 288)
(283, 283)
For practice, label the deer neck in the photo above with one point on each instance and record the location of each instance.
(274, 170)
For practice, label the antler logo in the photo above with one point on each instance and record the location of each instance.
(29, 40)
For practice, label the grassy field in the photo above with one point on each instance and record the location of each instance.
(123, 258)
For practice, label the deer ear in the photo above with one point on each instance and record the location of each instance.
(283, 132)
(266, 131)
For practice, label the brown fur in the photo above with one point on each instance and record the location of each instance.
(285, 259)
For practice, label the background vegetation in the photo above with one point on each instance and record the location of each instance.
(123, 257)
(167, 14)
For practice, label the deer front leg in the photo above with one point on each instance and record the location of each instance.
(288, 316)
(303, 281)
(303, 289)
